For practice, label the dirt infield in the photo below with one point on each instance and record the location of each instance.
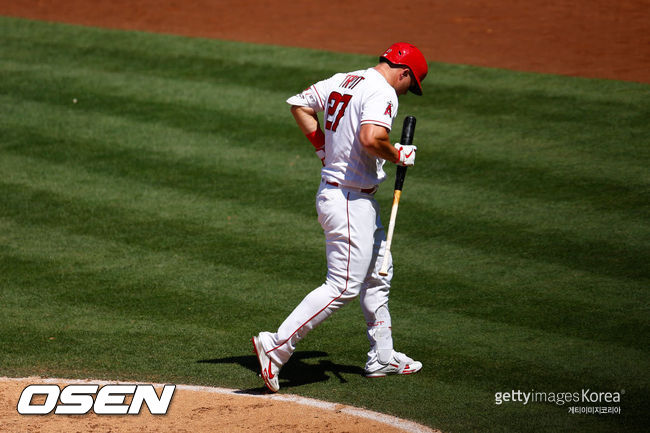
(590, 38)
(201, 409)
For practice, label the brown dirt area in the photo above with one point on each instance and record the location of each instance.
(193, 411)
(589, 38)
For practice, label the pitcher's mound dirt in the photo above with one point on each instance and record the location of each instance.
(201, 409)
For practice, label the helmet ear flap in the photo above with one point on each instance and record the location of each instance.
(416, 86)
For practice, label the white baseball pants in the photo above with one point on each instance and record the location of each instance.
(355, 241)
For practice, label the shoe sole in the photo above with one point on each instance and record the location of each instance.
(375, 375)
(259, 360)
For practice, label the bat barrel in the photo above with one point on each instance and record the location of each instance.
(408, 130)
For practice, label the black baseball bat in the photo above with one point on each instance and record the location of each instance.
(408, 129)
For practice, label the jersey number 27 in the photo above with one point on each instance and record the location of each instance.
(336, 105)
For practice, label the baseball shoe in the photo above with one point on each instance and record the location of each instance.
(269, 369)
(398, 364)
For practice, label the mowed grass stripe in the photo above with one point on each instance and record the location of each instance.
(535, 179)
(84, 182)
(237, 126)
(221, 147)
(444, 230)
(555, 246)
(555, 369)
(201, 226)
(566, 119)
(216, 181)
(202, 223)
(143, 164)
(593, 312)
(579, 218)
(197, 95)
(476, 172)
(489, 290)
(200, 307)
(562, 171)
(122, 293)
(165, 156)
(226, 63)
(544, 155)
(182, 207)
(25, 32)
(541, 116)
(44, 208)
(67, 258)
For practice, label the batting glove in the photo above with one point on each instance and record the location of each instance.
(406, 154)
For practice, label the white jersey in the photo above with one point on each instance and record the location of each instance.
(349, 100)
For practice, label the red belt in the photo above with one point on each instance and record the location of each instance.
(363, 190)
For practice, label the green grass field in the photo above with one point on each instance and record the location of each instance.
(148, 230)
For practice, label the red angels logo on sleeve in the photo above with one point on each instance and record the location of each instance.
(389, 109)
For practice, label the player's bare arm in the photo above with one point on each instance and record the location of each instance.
(374, 139)
(306, 118)
(307, 121)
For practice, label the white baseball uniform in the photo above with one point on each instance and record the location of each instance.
(348, 213)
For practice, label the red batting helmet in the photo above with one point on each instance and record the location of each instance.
(405, 54)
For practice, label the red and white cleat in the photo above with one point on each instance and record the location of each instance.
(270, 371)
(398, 364)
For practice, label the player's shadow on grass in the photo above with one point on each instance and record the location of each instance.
(297, 371)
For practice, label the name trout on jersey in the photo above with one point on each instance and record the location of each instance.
(335, 103)
(350, 81)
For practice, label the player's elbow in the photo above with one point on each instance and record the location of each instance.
(302, 114)
(297, 111)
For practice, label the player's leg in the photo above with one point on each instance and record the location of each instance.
(347, 219)
(374, 299)
(382, 358)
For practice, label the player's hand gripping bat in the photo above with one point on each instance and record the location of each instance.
(408, 129)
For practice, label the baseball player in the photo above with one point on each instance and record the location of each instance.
(358, 111)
